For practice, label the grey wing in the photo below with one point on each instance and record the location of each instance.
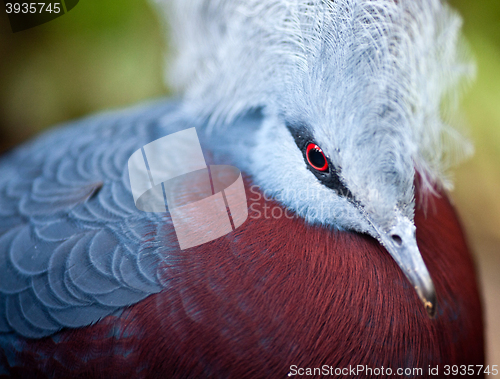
(73, 246)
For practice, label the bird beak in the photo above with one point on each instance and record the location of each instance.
(401, 243)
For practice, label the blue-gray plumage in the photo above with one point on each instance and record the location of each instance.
(72, 241)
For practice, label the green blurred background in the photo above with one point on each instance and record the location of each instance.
(106, 54)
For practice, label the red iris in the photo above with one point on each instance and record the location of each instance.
(316, 158)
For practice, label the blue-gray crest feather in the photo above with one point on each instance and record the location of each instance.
(326, 60)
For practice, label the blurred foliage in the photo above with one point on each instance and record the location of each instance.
(99, 55)
(478, 180)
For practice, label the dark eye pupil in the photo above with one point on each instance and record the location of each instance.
(316, 158)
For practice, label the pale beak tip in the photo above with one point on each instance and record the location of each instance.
(431, 309)
(430, 303)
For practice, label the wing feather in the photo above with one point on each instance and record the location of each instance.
(73, 246)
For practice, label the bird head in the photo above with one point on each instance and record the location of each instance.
(330, 171)
(352, 92)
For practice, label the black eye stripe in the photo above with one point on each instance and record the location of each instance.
(330, 177)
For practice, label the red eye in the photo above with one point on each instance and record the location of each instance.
(316, 158)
